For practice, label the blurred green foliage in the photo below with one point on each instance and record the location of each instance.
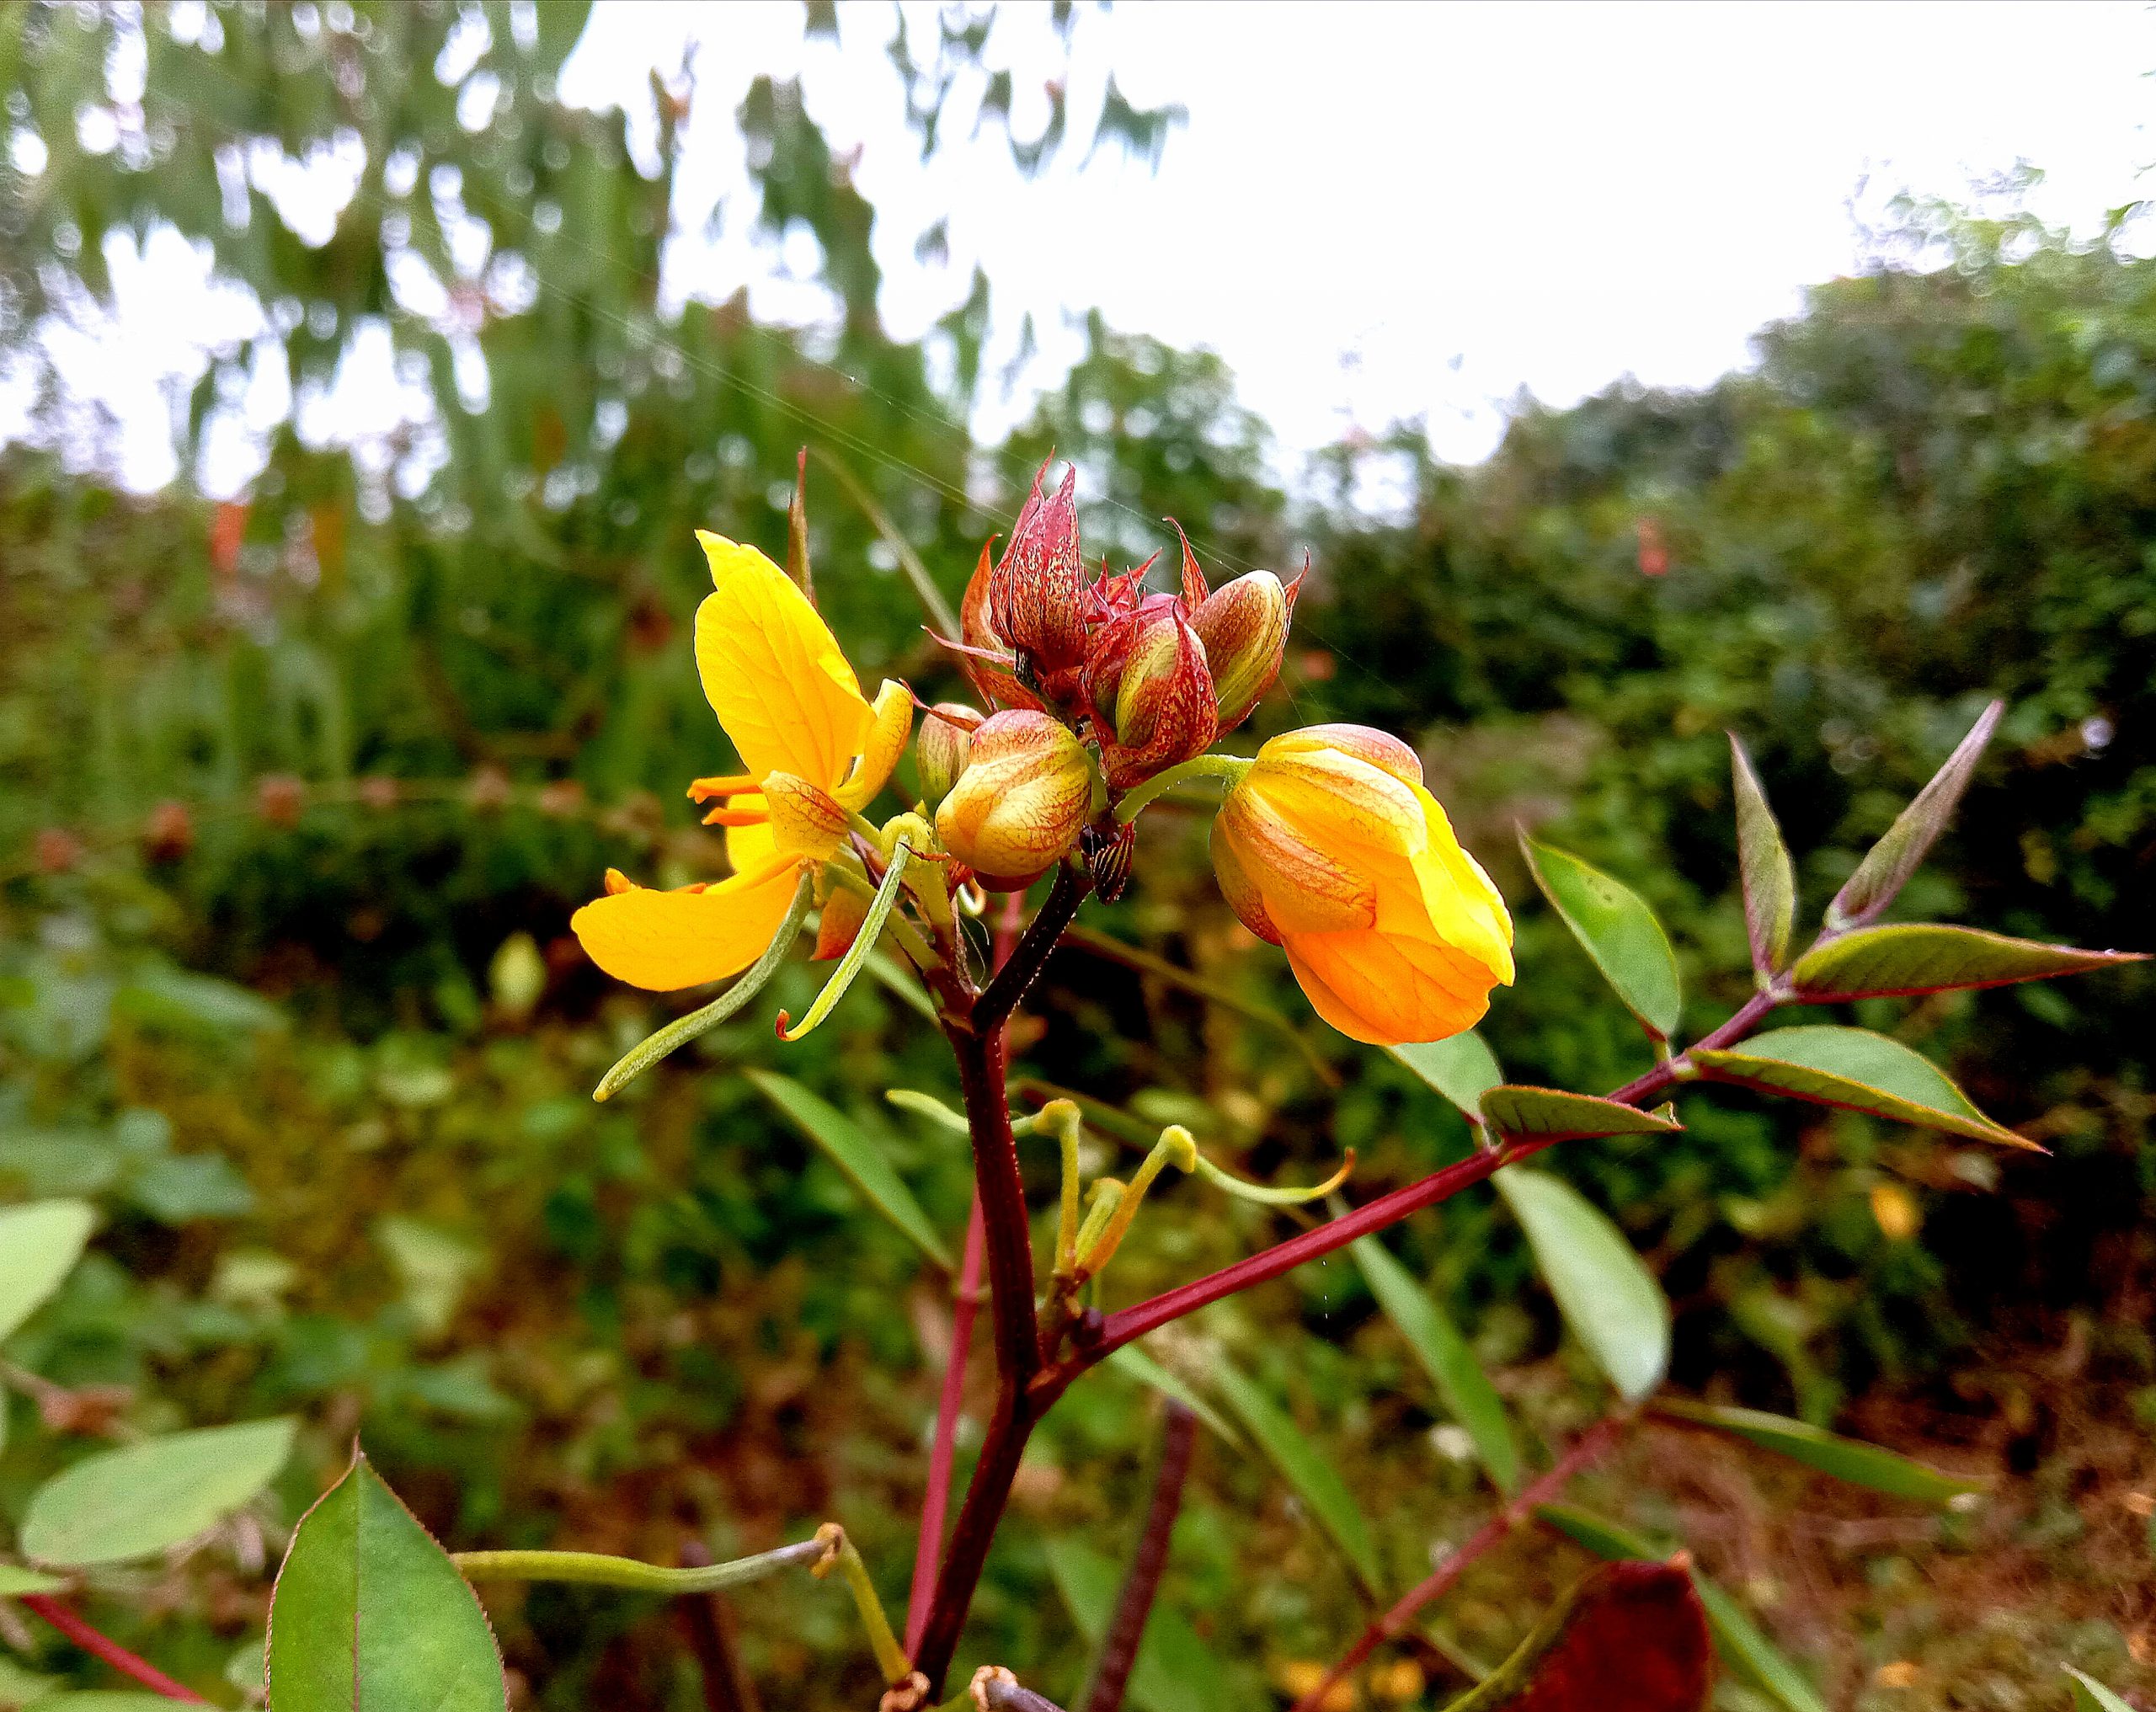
(322, 1054)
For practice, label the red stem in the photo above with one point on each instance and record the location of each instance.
(111, 1652)
(1149, 1315)
(1585, 1449)
(1141, 1582)
(935, 1502)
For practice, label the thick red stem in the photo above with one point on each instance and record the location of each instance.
(110, 1651)
(1585, 1449)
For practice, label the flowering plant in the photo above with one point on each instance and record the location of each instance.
(1102, 697)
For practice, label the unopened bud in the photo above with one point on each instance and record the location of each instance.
(1164, 708)
(939, 751)
(1027, 789)
(1244, 626)
(1036, 597)
(169, 833)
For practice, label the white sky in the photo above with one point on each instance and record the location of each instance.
(1384, 210)
(1376, 211)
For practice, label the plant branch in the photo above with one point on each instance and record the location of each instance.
(1585, 1450)
(943, 1455)
(707, 1626)
(1141, 1582)
(1000, 997)
(100, 1646)
(1134, 1322)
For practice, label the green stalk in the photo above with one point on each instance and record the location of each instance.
(1205, 766)
(681, 1032)
(597, 1570)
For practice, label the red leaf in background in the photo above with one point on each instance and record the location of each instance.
(1654, 552)
(1632, 1637)
(227, 531)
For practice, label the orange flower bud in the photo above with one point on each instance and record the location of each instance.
(1244, 626)
(1330, 848)
(169, 833)
(835, 928)
(1027, 790)
(1152, 692)
(1036, 596)
(939, 751)
(279, 797)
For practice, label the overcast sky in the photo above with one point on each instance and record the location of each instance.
(1388, 210)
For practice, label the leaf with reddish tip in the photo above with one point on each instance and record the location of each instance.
(1617, 930)
(1630, 1637)
(1858, 1071)
(1763, 862)
(369, 1615)
(1552, 1114)
(1876, 963)
(1888, 864)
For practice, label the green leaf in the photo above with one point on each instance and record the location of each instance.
(1133, 1363)
(136, 1501)
(1617, 930)
(1928, 958)
(1313, 1479)
(1736, 1637)
(1887, 866)
(1175, 1671)
(1550, 1114)
(39, 1243)
(1855, 1069)
(16, 1580)
(858, 1159)
(1849, 1459)
(1763, 862)
(182, 1002)
(2090, 1695)
(369, 1615)
(1610, 1301)
(104, 1700)
(1468, 1396)
(1462, 1068)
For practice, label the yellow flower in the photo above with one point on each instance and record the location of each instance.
(813, 750)
(1329, 848)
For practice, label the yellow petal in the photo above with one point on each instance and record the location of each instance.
(749, 847)
(1242, 892)
(1465, 909)
(887, 741)
(1380, 749)
(805, 821)
(1306, 889)
(1386, 990)
(661, 941)
(772, 672)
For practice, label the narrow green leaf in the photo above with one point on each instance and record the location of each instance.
(1462, 1068)
(1597, 1533)
(39, 1243)
(1551, 1114)
(1763, 864)
(1929, 957)
(1468, 1394)
(1736, 1637)
(1313, 1479)
(2090, 1695)
(138, 1500)
(104, 1700)
(1175, 1671)
(1887, 866)
(1133, 1362)
(858, 1159)
(1615, 926)
(797, 530)
(1849, 1459)
(369, 1615)
(1751, 1655)
(1855, 1069)
(16, 1580)
(1609, 1298)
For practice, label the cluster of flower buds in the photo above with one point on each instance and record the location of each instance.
(1108, 673)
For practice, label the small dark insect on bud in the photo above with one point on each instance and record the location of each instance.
(1108, 858)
